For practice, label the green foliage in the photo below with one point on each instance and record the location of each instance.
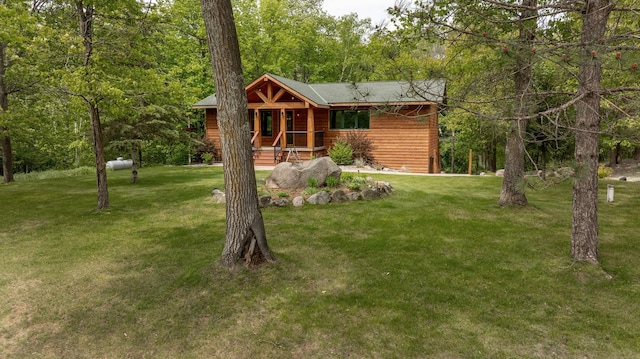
(341, 152)
(207, 157)
(332, 181)
(283, 194)
(353, 181)
(161, 153)
(347, 176)
(604, 171)
(310, 191)
(312, 182)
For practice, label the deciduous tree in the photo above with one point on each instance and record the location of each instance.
(17, 71)
(246, 237)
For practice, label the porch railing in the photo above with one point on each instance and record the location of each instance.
(300, 139)
(254, 149)
(277, 147)
(254, 135)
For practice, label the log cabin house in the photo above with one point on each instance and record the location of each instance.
(294, 120)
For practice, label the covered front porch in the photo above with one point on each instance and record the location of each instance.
(285, 134)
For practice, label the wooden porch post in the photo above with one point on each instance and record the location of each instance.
(283, 127)
(256, 127)
(311, 129)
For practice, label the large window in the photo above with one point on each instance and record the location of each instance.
(266, 123)
(349, 119)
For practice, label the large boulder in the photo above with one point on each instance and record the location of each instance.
(297, 175)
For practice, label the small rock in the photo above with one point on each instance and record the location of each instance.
(264, 201)
(371, 194)
(500, 173)
(298, 201)
(281, 202)
(321, 197)
(383, 187)
(338, 196)
(353, 196)
(483, 174)
(218, 196)
(623, 178)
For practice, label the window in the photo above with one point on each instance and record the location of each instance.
(349, 119)
(266, 123)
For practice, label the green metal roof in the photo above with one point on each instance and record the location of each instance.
(381, 92)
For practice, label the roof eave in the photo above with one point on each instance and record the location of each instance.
(390, 103)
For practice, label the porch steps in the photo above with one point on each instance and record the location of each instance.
(263, 158)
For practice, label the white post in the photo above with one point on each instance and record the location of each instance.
(609, 193)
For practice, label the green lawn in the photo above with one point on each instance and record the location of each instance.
(438, 270)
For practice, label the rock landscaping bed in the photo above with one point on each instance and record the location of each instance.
(319, 181)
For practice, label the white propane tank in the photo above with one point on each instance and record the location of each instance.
(119, 164)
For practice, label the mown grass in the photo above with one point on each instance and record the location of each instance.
(437, 270)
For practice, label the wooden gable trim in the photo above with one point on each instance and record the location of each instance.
(279, 94)
(272, 99)
(264, 98)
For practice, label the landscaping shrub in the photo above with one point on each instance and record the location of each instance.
(604, 171)
(341, 153)
(309, 191)
(332, 181)
(361, 145)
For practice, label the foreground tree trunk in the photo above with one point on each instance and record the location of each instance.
(512, 192)
(7, 154)
(98, 150)
(85, 22)
(246, 237)
(7, 159)
(134, 165)
(584, 235)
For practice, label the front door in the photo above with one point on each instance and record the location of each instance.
(289, 117)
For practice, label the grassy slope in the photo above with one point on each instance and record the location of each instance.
(437, 270)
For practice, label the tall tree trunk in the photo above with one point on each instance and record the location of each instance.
(134, 166)
(98, 150)
(85, 24)
(512, 192)
(246, 236)
(584, 235)
(7, 159)
(7, 154)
